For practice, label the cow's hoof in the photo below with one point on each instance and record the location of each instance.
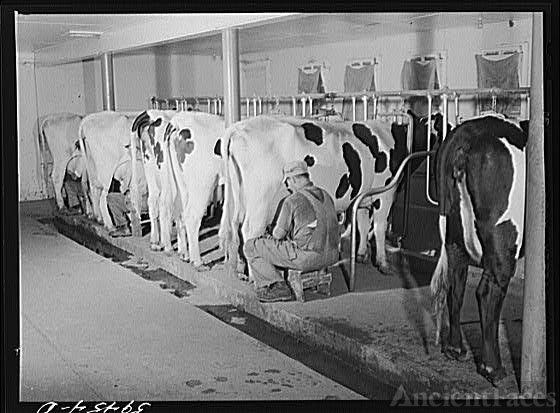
(362, 258)
(201, 267)
(184, 257)
(455, 353)
(242, 276)
(384, 269)
(494, 376)
(154, 246)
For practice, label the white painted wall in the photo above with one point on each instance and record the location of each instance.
(77, 87)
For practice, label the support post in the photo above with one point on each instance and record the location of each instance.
(533, 354)
(230, 56)
(107, 81)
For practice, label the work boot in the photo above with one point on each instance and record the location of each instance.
(278, 291)
(76, 210)
(122, 231)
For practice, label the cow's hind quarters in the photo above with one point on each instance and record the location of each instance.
(494, 376)
(155, 246)
(455, 353)
(201, 267)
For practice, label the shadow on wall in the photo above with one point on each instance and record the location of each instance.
(91, 88)
(163, 75)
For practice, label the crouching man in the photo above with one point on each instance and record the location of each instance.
(120, 204)
(305, 238)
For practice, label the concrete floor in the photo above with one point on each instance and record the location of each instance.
(384, 327)
(93, 330)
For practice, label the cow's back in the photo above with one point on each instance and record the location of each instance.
(487, 153)
(344, 158)
(106, 136)
(60, 131)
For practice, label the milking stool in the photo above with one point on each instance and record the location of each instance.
(319, 280)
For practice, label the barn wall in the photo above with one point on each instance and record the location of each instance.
(57, 89)
(201, 75)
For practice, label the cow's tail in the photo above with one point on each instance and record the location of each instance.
(173, 169)
(439, 284)
(87, 175)
(231, 215)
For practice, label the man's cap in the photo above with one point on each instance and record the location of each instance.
(293, 169)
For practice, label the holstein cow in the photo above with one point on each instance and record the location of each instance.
(481, 189)
(60, 131)
(163, 196)
(106, 136)
(344, 158)
(194, 142)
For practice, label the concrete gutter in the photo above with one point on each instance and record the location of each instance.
(414, 377)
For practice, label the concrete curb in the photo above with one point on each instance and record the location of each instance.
(412, 376)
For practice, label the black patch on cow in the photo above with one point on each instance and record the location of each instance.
(218, 148)
(159, 155)
(309, 160)
(152, 131)
(376, 204)
(140, 121)
(185, 134)
(397, 155)
(168, 130)
(183, 147)
(352, 159)
(363, 133)
(342, 187)
(313, 133)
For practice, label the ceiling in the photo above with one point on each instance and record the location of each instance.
(35, 32)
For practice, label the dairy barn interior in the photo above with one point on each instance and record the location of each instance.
(323, 67)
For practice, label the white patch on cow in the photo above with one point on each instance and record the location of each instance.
(472, 243)
(516, 200)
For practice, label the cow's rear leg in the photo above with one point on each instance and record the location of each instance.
(458, 269)
(381, 209)
(106, 217)
(363, 255)
(165, 227)
(58, 182)
(155, 224)
(182, 247)
(499, 267)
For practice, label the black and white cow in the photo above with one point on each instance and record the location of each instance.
(344, 158)
(163, 197)
(481, 185)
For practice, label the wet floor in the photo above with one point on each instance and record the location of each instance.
(324, 363)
